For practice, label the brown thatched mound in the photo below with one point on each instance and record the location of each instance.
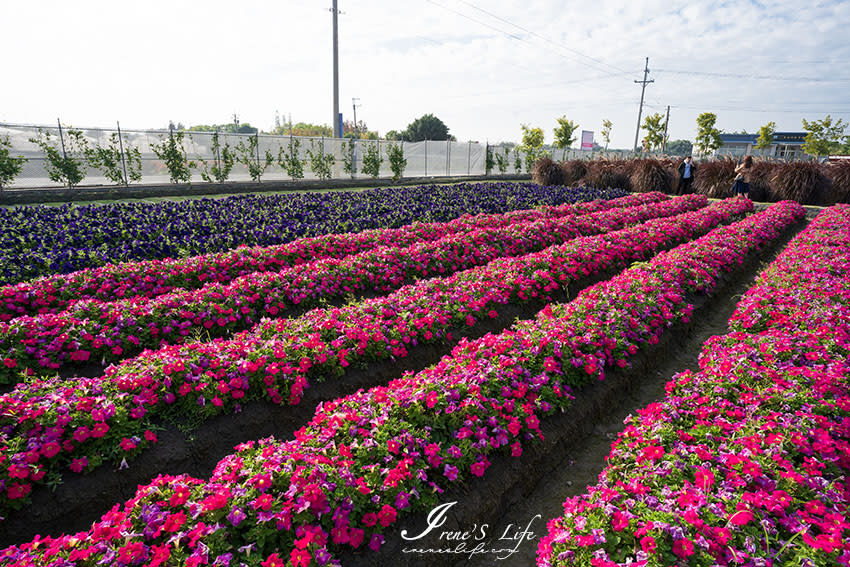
(547, 172)
(651, 175)
(574, 170)
(803, 182)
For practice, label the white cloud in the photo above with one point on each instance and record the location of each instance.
(94, 62)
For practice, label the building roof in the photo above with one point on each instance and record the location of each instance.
(778, 138)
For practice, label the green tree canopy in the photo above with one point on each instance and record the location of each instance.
(823, 136)
(708, 137)
(680, 148)
(231, 128)
(766, 135)
(564, 133)
(654, 126)
(426, 127)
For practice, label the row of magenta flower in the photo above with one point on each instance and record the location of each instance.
(50, 425)
(745, 462)
(97, 330)
(368, 457)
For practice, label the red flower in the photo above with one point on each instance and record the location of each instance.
(387, 515)
(274, 560)
(174, 521)
(127, 444)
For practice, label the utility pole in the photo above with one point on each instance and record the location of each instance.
(354, 106)
(643, 84)
(335, 120)
(666, 121)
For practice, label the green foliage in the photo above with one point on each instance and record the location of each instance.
(107, 159)
(348, 157)
(395, 154)
(823, 136)
(708, 137)
(517, 161)
(654, 126)
(394, 135)
(680, 148)
(320, 162)
(564, 133)
(606, 132)
(372, 160)
(172, 153)
(426, 127)
(304, 129)
(248, 155)
(766, 135)
(10, 166)
(230, 128)
(503, 160)
(532, 145)
(289, 160)
(68, 166)
(489, 162)
(220, 170)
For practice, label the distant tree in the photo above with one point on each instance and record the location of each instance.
(229, 128)
(766, 135)
(654, 126)
(394, 135)
(304, 129)
(606, 132)
(358, 131)
(564, 133)
(742, 132)
(426, 127)
(823, 136)
(680, 148)
(708, 137)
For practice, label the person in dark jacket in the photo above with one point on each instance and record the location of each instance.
(687, 170)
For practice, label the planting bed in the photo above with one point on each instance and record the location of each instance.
(559, 313)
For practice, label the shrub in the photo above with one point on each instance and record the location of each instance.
(803, 182)
(372, 160)
(608, 173)
(715, 177)
(395, 154)
(651, 175)
(547, 172)
(574, 170)
(760, 184)
(171, 152)
(839, 175)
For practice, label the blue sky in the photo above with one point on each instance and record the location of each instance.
(484, 68)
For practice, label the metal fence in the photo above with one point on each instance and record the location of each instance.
(424, 159)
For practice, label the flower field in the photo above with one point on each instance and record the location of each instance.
(39, 241)
(744, 461)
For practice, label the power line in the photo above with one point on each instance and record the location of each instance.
(756, 77)
(546, 39)
(518, 38)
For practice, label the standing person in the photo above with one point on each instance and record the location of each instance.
(743, 175)
(687, 169)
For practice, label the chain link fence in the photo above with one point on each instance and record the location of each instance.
(424, 159)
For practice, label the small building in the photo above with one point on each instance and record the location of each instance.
(785, 145)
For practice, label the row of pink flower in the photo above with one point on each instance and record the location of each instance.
(93, 330)
(745, 462)
(366, 459)
(155, 277)
(279, 357)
